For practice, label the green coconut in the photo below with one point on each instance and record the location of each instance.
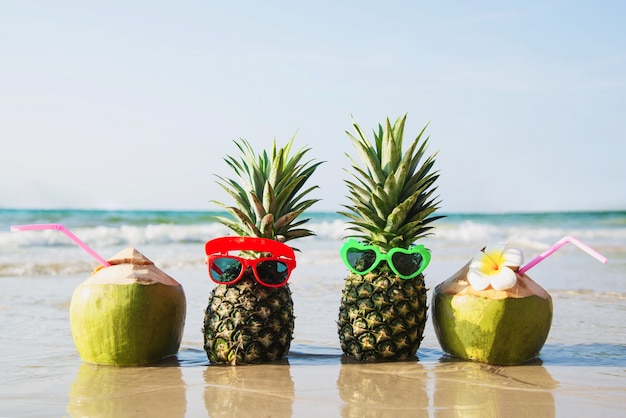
(499, 327)
(128, 314)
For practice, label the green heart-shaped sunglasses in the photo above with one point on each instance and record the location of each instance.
(406, 263)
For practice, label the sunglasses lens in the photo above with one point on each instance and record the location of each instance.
(272, 272)
(406, 264)
(225, 269)
(360, 260)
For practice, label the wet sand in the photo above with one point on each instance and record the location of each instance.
(581, 371)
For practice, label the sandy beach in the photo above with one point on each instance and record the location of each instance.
(581, 370)
(577, 375)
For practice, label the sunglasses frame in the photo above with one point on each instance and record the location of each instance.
(387, 257)
(221, 247)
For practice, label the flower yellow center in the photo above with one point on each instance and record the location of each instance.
(492, 262)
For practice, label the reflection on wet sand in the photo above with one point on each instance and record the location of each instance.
(110, 391)
(382, 389)
(469, 389)
(265, 389)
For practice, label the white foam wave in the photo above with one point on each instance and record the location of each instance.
(161, 234)
(536, 237)
(180, 245)
(126, 235)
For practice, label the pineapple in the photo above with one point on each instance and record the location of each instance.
(382, 316)
(246, 322)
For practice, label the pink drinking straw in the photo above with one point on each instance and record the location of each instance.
(558, 245)
(59, 227)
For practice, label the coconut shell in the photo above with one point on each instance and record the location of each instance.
(458, 284)
(500, 327)
(127, 314)
(130, 266)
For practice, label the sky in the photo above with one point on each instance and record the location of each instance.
(134, 104)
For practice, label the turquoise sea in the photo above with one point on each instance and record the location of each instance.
(175, 240)
(43, 375)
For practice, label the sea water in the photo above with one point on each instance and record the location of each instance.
(40, 269)
(175, 240)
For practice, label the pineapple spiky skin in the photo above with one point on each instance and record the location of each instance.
(382, 317)
(248, 323)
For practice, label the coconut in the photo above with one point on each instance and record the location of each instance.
(499, 327)
(127, 314)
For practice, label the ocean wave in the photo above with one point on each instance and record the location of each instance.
(447, 234)
(125, 235)
(528, 236)
(30, 269)
(180, 245)
(70, 263)
(589, 294)
(139, 227)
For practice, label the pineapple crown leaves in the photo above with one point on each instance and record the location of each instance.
(391, 192)
(268, 191)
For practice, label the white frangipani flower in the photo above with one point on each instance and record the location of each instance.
(494, 266)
